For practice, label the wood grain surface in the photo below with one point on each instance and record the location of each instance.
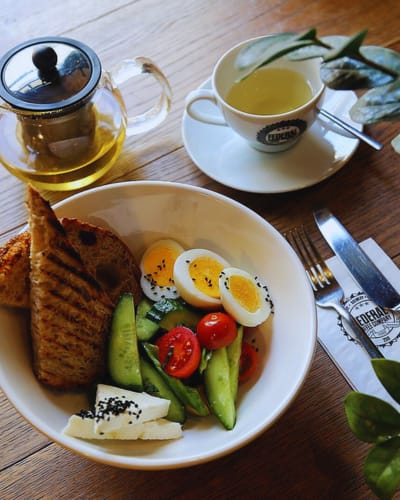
(310, 452)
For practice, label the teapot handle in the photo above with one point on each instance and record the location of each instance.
(131, 68)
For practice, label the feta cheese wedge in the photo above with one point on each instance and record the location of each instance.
(82, 426)
(160, 429)
(116, 408)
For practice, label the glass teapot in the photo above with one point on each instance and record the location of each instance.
(63, 120)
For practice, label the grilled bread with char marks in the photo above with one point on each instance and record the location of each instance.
(70, 312)
(104, 254)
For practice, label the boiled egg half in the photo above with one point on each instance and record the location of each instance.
(244, 297)
(196, 277)
(157, 269)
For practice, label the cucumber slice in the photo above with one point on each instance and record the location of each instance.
(155, 385)
(169, 313)
(161, 308)
(217, 383)
(234, 351)
(123, 354)
(145, 327)
(189, 396)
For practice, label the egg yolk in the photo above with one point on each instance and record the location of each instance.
(204, 273)
(245, 293)
(159, 265)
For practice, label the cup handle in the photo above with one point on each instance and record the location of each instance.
(196, 114)
(131, 68)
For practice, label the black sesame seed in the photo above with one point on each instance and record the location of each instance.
(85, 414)
(112, 407)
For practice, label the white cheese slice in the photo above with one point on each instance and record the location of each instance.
(83, 427)
(117, 408)
(160, 429)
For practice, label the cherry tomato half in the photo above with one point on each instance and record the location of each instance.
(248, 362)
(216, 330)
(179, 352)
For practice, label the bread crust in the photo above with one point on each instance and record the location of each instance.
(106, 257)
(14, 271)
(104, 254)
(70, 312)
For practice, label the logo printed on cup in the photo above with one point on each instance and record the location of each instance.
(281, 132)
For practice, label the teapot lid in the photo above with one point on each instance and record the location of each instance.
(49, 74)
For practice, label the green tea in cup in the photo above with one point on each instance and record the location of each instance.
(270, 91)
(271, 108)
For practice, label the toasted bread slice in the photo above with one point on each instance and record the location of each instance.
(106, 257)
(14, 271)
(70, 312)
(104, 254)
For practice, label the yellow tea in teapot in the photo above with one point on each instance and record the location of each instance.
(63, 120)
(63, 153)
(270, 91)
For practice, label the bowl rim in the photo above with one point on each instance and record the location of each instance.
(144, 463)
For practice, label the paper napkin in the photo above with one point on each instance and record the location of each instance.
(382, 327)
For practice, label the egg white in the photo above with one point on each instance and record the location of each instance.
(248, 303)
(207, 277)
(156, 266)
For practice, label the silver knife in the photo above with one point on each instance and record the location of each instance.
(360, 266)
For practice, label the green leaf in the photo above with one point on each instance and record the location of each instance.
(275, 52)
(351, 74)
(381, 104)
(254, 53)
(388, 372)
(311, 34)
(318, 50)
(266, 49)
(350, 47)
(382, 468)
(370, 418)
(382, 56)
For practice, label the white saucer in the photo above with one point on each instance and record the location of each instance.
(227, 158)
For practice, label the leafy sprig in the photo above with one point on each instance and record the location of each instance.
(375, 421)
(345, 65)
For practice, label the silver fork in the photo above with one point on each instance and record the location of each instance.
(328, 293)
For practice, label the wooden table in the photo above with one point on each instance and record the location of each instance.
(310, 452)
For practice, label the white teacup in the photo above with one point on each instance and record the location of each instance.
(265, 132)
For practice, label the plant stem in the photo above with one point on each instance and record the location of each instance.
(377, 66)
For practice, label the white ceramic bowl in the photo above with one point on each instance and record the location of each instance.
(140, 213)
